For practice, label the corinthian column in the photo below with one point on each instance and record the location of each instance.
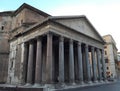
(61, 60)
(87, 63)
(38, 69)
(94, 65)
(30, 63)
(99, 64)
(49, 60)
(71, 62)
(80, 64)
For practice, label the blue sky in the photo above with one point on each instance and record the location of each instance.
(103, 14)
(49, 4)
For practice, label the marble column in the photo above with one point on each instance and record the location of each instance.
(61, 60)
(49, 59)
(103, 65)
(25, 61)
(71, 62)
(94, 66)
(87, 63)
(99, 65)
(80, 64)
(30, 62)
(38, 69)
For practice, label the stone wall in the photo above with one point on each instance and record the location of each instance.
(5, 26)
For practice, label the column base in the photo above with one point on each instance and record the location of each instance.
(101, 81)
(37, 85)
(72, 83)
(49, 86)
(60, 85)
(81, 83)
(28, 84)
(95, 81)
(89, 82)
(105, 80)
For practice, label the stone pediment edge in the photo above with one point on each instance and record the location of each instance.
(78, 17)
(77, 31)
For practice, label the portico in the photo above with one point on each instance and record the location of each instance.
(64, 61)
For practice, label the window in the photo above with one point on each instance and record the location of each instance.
(2, 28)
(21, 21)
(106, 60)
(107, 68)
(105, 46)
(105, 52)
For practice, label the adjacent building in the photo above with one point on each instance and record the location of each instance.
(53, 50)
(118, 65)
(110, 50)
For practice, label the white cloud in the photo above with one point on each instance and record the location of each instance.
(105, 18)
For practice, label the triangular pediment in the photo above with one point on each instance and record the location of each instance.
(80, 24)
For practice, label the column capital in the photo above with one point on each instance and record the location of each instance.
(79, 43)
(49, 34)
(71, 40)
(38, 38)
(31, 41)
(26, 44)
(102, 50)
(92, 47)
(61, 38)
(98, 51)
(86, 45)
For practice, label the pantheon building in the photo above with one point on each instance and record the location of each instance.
(52, 51)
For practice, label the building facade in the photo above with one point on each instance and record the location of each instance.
(110, 56)
(5, 27)
(118, 65)
(47, 49)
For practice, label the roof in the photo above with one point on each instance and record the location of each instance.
(52, 19)
(78, 17)
(110, 41)
(6, 13)
(24, 5)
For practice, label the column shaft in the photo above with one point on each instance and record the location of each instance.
(103, 64)
(99, 64)
(25, 60)
(94, 67)
(61, 60)
(87, 63)
(38, 69)
(49, 59)
(80, 64)
(71, 62)
(30, 63)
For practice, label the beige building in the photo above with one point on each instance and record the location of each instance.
(46, 50)
(118, 65)
(110, 50)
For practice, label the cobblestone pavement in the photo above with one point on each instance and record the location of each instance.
(106, 87)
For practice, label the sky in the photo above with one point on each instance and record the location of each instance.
(103, 14)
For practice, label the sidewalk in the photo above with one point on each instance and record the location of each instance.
(7, 87)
